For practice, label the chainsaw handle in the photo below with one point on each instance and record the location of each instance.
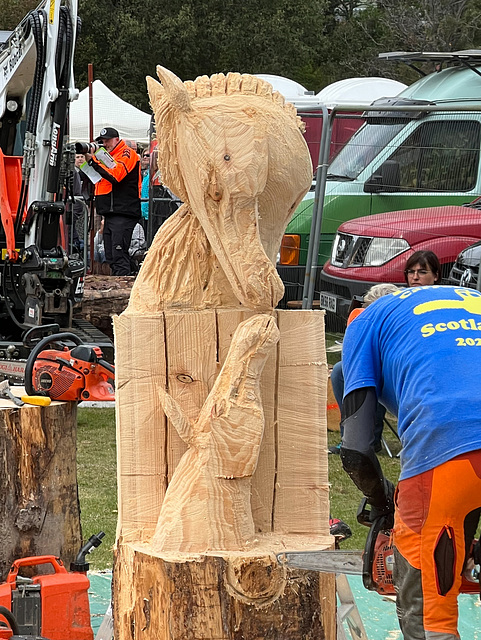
(363, 515)
(31, 336)
(106, 365)
(39, 347)
(33, 561)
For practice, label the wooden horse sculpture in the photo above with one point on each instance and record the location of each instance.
(233, 151)
(219, 471)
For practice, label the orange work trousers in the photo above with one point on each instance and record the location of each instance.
(437, 514)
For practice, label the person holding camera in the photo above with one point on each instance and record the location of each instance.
(117, 196)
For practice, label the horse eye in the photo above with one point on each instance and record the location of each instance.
(227, 156)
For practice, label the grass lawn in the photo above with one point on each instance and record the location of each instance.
(97, 480)
(96, 460)
(345, 497)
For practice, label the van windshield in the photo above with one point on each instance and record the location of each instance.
(361, 149)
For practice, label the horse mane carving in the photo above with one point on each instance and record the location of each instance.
(233, 151)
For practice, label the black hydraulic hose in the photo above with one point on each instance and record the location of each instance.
(6, 299)
(21, 207)
(37, 350)
(63, 56)
(39, 32)
(11, 619)
(64, 48)
(59, 53)
(40, 67)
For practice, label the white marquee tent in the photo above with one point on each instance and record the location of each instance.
(359, 91)
(108, 111)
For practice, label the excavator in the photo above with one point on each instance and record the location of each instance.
(41, 273)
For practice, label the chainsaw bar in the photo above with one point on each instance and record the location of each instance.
(349, 562)
(13, 370)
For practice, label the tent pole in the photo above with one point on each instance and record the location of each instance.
(91, 137)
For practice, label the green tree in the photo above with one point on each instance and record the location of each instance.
(12, 12)
(315, 42)
(192, 39)
(398, 25)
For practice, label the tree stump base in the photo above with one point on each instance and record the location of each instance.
(39, 509)
(244, 595)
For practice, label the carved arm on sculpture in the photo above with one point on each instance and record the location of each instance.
(207, 503)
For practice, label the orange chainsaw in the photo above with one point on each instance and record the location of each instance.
(375, 564)
(63, 373)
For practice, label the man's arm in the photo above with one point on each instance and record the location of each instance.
(357, 451)
(123, 165)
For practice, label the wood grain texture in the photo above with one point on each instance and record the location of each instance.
(262, 488)
(302, 495)
(39, 510)
(207, 504)
(192, 367)
(292, 463)
(233, 151)
(142, 461)
(219, 598)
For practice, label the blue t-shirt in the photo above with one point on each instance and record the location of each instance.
(144, 193)
(421, 349)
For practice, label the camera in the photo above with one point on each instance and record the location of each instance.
(87, 147)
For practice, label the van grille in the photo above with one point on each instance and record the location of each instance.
(350, 250)
(464, 276)
(336, 289)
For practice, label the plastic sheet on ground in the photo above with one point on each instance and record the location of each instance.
(380, 621)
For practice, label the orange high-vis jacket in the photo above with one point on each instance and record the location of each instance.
(118, 193)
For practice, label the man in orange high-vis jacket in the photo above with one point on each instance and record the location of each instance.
(117, 198)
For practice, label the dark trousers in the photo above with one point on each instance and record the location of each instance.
(117, 236)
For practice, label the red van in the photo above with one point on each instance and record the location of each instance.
(374, 249)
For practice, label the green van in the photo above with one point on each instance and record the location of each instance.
(398, 160)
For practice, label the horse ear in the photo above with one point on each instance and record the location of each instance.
(175, 90)
(156, 92)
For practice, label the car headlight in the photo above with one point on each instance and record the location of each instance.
(381, 250)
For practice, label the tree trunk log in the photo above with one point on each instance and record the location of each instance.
(104, 296)
(39, 509)
(219, 597)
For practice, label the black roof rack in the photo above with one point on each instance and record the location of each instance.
(470, 58)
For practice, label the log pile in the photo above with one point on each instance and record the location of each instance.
(105, 296)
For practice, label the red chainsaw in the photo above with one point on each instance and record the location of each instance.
(64, 373)
(52, 604)
(375, 564)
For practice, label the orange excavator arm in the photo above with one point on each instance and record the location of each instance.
(10, 182)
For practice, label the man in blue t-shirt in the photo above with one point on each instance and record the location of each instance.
(419, 352)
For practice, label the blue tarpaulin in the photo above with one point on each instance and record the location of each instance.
(377, 613)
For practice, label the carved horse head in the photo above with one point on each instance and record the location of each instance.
(233, 151)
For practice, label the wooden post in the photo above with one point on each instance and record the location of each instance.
(39, 510)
